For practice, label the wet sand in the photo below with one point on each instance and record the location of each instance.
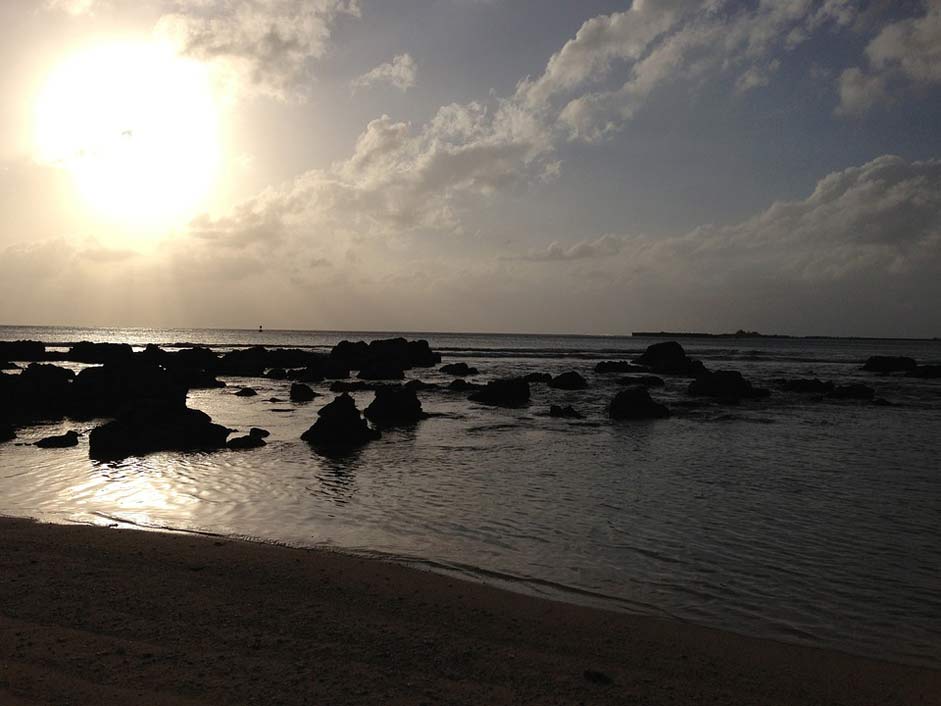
(105, 616)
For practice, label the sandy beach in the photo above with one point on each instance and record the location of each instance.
(106, 616)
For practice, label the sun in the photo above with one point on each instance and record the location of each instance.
(137, 126)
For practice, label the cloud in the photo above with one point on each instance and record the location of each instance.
(902, 54)
(604, 246)
(400, 73)
(271, 42)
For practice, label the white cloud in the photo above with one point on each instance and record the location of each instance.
(604, 246)
(400, 73)
(903, 53)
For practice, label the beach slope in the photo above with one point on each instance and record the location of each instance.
(104, 616)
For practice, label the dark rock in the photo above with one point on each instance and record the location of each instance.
(381, 370)
(351, 354)
(339, 426)
(394, 406)
(881, 402)
(70, 438)
(394, 352)
(7, 365)
(926, 372)
(244, 362)
(155, 425)
(461, 369)
(241, 443)
(153, 353)
(107, 390)
(537, 377)
(194, 358)
(596, 677)
(618, 366)
(645, 380)
(100, 353)
(463, 386)
(40, 392)
(510, 392)
(353, 386)
(7, 432)
(725, 384)
(890, 364)
(669, 358)
(853, 391)
(194, 379)
(567, 412)
(25, 351)
(568, 381)
(811, 386)
(301, 393)
(246, 392)
(418, 385)
(635, 403)
(277, 374)
(260, 433)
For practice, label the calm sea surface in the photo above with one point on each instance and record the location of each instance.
(807, 521)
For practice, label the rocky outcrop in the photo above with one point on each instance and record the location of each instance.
(617, 366)
(382, 370)
(394, 352)
(24, 351)
(568, 381)
(567, 412)
(537, 378)
(463, 386)
(301, 393)
(63, 441)
(669, 358)
(461, 369)
(339, 427)
(101, 353)
(395, 406)
(510, 392)
(927, 372)
(635, 403)
(107, 390)
(890, 364)
(727, 385)
(154, 425)
(253, 440)
(246, 392)
(7, 432)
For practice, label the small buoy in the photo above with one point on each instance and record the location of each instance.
(259, 329)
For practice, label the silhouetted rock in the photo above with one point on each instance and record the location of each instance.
(669, 358)
(154, 425)
(381, 370)
(100, 353)
(40, 392)
(853, 391)
(301, 393)
(537, 377)
(339, 426)
(354, 386)
(463, 386)
(418, 385)
(926, 372)
(568, 381)
(153, 353)
(26, 351)
(805, 385)
(617, 366)
(635, 403)
(394, 407)
(246, 392)
(244, 362)
(277, 374)
(107, 390)
(7, 365)
(645, 380)
(194, 379)
(567, 412)
(351, 354)
(241, 443)
(195, 358)
(259, 432)
(7, 432)
(460, 369)
(511, 392)
(394, 352)
(725, 384)
(70, 438)
(890, 364)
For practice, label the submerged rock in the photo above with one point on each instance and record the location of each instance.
(301, 393)
(339, 426)
(669, 358)
(568, 381)
(510, 392)
(153, 426)
(70, 438)
(853, 391)
(890, 364)
(926, 372)
(805, 385)
(246, 392)
(394, 406)
(253, 440)
(537, 377)
(645, 380)
(635, 403)
(463, 386)
(725, 384)
(461, 369)
(567, 412)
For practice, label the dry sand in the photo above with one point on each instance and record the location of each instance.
(106, 616)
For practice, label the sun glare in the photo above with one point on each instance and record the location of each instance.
(137, 127)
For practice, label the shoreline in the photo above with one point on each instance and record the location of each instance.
(98, 615)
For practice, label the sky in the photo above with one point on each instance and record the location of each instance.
(473, 165)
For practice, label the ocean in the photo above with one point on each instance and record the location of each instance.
(805, 520)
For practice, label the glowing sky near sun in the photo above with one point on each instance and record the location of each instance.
(586, 167)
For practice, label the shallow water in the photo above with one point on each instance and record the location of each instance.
(810, 521)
